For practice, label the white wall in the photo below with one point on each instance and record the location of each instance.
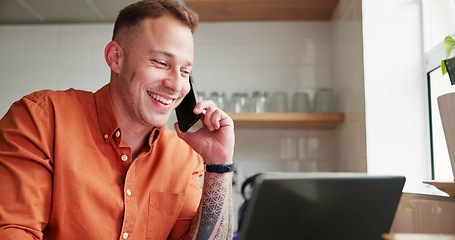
(395, 90)
(267, 56)
(51, 56)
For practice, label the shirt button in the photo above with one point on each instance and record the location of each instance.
(125, 235)
(117, 134)
(106, 136)
(128, 192)
(124, 157)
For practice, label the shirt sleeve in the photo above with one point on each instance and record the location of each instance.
(25, 170)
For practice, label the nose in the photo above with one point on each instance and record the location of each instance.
(174, 81)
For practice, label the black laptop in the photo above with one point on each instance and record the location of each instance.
(321, 206)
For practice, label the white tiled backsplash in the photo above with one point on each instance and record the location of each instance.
(264, 56)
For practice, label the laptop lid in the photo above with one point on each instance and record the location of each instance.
(321, 206)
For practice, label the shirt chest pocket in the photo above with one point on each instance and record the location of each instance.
(164, 209)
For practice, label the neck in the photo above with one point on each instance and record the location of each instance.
(136, 141)
(134, 133)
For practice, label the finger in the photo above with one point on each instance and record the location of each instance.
(210, 118)
(203, 105)
(216, 118)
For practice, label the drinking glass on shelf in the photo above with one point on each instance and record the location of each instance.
(238, 102)
(257, 102)
(324, 100)
(301, 102)
(279, 102)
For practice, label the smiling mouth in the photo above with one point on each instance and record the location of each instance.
(160, 99)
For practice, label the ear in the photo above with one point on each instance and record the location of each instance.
(112, 54)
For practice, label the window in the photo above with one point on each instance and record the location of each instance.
(437, 86)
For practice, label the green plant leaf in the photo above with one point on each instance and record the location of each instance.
(449, 45)
(443, 67)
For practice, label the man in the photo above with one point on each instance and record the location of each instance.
(103, 165)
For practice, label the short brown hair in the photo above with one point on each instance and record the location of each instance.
(129, 17)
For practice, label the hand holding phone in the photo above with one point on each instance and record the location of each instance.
(186, 118)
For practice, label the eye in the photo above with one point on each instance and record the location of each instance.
(160, 63)
(185, 72)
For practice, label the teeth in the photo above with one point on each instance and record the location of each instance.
(160, 98)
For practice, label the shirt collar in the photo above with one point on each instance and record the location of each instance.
(105, 110)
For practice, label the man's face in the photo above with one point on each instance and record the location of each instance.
(154, 76)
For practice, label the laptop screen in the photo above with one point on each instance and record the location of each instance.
(321, 206)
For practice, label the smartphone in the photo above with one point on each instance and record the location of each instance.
(186, 118)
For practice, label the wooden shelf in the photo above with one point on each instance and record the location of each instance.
(287, 120)
(262, 10)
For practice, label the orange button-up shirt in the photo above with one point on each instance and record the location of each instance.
(66, 173)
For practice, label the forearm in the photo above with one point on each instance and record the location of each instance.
(215, 218)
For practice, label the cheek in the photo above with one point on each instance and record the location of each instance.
(185, 91)
(145, 77)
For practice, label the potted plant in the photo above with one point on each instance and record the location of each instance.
(448, 64)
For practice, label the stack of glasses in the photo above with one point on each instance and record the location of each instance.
(323, 101)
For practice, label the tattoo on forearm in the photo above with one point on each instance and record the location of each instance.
(215, 218)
